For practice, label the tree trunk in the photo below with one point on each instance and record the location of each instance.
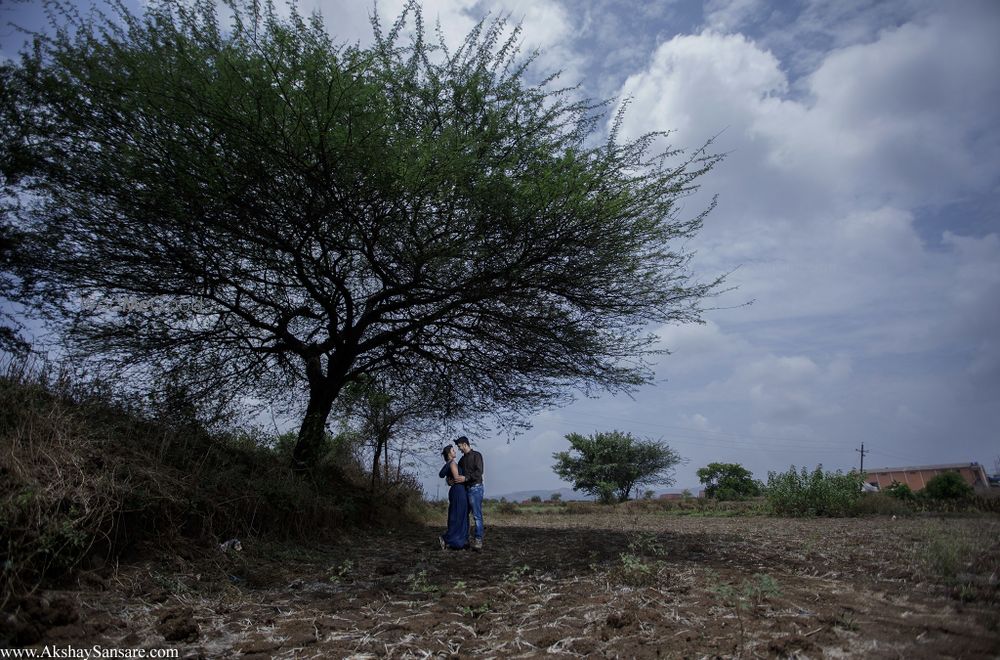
(312, 432)
(313, 429)
(385, 463)
(375, 468)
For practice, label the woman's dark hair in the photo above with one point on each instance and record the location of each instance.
(444, 452)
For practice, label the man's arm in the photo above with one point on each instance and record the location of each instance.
(474, 468)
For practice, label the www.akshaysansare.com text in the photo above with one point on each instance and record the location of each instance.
(87, 652)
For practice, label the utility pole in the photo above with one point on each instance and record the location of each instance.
(863, 452)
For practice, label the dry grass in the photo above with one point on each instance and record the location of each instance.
(86, 478)
(558, 585)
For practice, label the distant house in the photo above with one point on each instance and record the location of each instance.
(916, 477)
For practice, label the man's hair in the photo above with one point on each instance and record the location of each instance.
(444, 452)
(462, 440)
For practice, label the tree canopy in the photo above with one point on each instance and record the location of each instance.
(275, 215)
(728, 481)
(610, 465)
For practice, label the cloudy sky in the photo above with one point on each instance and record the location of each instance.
(859, 205)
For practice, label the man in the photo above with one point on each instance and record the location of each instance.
(471, 465)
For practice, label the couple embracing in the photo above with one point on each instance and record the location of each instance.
(465, 496)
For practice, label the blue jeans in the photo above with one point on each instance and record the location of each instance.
(476, 507)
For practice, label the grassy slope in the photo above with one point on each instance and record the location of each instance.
(85, 480)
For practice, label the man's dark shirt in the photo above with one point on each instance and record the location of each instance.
(471, 465)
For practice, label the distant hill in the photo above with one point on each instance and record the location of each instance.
(566, 494)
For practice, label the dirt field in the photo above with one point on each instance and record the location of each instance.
(615, 585)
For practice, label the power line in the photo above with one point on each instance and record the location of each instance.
(747, 441)
(863, 452)
(908, 459)
(685, 428)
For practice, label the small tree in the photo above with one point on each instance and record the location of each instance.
(380, 413)
(555, 497)
(536, 499)
(948, 486)
(609, 465)
(728, 481)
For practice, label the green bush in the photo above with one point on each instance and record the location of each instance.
(948, 486)
(815, 493)
(728, 481)
(883, 504)
(899, 491)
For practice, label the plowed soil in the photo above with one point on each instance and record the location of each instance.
(619, 584)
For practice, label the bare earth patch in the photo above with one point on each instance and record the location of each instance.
(594, 585)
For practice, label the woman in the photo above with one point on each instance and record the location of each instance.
(458, 504)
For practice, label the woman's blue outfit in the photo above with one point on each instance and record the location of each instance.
(458, 512)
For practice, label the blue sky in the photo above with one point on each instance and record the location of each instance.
(858, 204)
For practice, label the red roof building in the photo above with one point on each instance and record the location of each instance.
(917, 477)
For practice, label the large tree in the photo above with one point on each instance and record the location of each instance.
(282, 215)
(609, 465)
(10, 337)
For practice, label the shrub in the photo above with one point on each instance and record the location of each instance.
(536, 498)
(883, 504)
(635, 571)
(581, 508)
(945, 555)
(948, 486)
(646, 504)
(815, 493)
(728, 481)
(899, 491)
(507, 507)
